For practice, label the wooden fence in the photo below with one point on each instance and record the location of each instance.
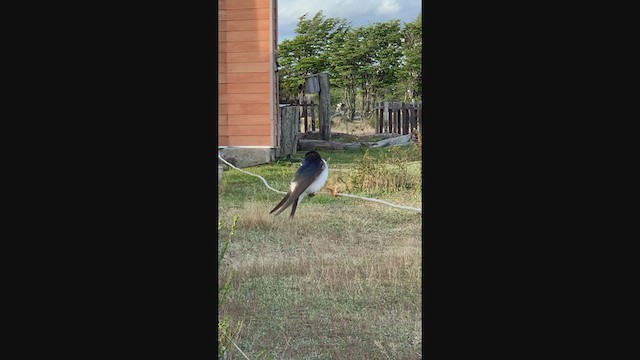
(288, 128)
(398, 117)
(307, 113)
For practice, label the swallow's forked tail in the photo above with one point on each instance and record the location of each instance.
(293, 208)
(286, 197)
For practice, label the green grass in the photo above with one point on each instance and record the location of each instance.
(342, 280)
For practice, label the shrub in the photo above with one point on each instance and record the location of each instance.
(390, 172)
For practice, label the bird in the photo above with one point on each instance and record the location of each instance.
(309, 178)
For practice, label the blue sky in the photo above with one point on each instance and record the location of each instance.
(358, 12)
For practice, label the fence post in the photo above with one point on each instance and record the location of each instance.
(313, 116)
(304, 114)
(289, 130)
(296, 103)
(420, 117)
(325, 107)
(398, 111)
(387, 119)
(380, 129)
(413, 110)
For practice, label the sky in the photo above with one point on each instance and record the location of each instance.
(358, 12)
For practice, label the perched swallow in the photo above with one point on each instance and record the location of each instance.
(309, 178)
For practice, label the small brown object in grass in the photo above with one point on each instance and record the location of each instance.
(334, 191)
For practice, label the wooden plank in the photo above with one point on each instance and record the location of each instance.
(250, 35)
(385, 116)
(414, 117)
(262, 130)
(222, 46)
(325, 107)
(313, 116)
(243, 4)
(289, 121)
(249, 88)
(222, 99)
(246, 46)
(244, 109)
(222, 25)
(222, 36)
(254, 67)
(248, 120)
(223, 120)
(243, 14)
(249, 98)
(405, 118)
(223, 109)
(380, 127)
(222, 78)
(420, 119)
(223, 140)
(389, 116)
(248, 57)
(249, 140)
(222, 67)
(236, 78)
(222, 88)
(252, 24)
(223, 130)
(304, 115)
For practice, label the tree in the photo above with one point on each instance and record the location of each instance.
(306, 53)
(380, 60)
(367, 62)
(411, 73)
(385, 47)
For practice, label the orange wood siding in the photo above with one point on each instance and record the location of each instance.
(223, 139)
(236, 25)
(243, 4)
(246, 119)
(248, 88)
(248, 78)
(248, 46)
(247, 57)
(249, 140)
(248, 98)
(247, 35)
(245, 69)
(238, 67)
(244, 14)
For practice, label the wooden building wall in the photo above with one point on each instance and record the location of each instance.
(246, 89)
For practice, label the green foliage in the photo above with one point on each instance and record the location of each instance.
(393, 171)
(306, 54)
(411, 73)
(380, 61)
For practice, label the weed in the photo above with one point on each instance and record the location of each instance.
(390, 173)
(227, 331)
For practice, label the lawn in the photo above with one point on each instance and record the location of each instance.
(342, 280)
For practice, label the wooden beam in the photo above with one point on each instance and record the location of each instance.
(325, 107)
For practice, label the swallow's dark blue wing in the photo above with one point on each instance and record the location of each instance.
(308, 171)
(306, 174)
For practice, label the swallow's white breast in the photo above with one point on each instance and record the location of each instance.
(319, 182)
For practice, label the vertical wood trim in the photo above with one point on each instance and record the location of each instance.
(271, 72)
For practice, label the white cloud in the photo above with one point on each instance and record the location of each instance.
(388, 7)
(289, 11)
(358, 12)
